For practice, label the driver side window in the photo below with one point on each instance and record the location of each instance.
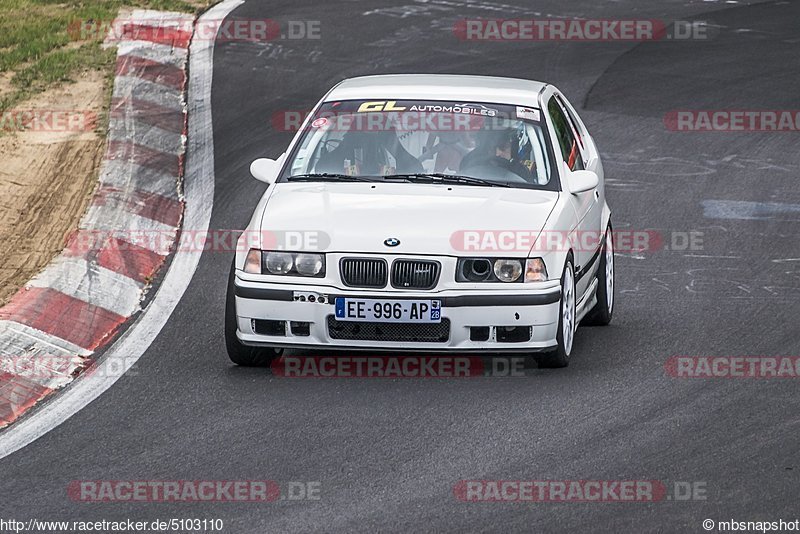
(570, 150)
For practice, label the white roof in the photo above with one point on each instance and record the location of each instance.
(449, 87)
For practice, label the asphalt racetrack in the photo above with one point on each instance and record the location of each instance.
(387, 454)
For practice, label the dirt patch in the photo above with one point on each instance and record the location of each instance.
(202, 5)
(6, 87)
(47, 174)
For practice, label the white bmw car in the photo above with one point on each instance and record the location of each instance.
(434, 213)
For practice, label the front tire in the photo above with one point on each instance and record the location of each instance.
(566, 322)
(601, 314)
(239, 353)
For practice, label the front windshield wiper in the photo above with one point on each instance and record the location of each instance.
(440, 177)
(326, 177)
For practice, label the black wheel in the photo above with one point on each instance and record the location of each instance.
(238, 353)
(601, 314)
(566, 322)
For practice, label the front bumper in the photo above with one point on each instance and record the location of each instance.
(532, 310)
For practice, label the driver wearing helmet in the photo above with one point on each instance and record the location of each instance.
(501, 148)
(369, 153)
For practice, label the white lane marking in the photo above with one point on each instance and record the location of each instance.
(134, 342)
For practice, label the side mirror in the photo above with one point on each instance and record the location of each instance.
(582, 181)
(265, 169)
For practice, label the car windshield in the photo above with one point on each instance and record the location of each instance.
(467, 143)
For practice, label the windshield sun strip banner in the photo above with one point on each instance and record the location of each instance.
(506, 111)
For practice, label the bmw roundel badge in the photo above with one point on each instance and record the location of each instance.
(391, 242)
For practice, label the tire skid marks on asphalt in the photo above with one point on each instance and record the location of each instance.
(78, 303)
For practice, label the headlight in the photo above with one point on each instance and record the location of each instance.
(492, 270)
(289, 263)
(278, 262)
(474, 270)
(535, 271)
(309, 264)
(508, 270)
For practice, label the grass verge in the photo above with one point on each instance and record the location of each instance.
(39, 47)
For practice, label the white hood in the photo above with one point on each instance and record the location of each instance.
(359, 216)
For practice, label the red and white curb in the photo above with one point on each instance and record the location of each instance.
(51, 328)
(198, 193)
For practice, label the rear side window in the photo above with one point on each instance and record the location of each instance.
(570, 150)
(572, 120)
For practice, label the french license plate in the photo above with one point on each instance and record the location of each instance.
(388, 311)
